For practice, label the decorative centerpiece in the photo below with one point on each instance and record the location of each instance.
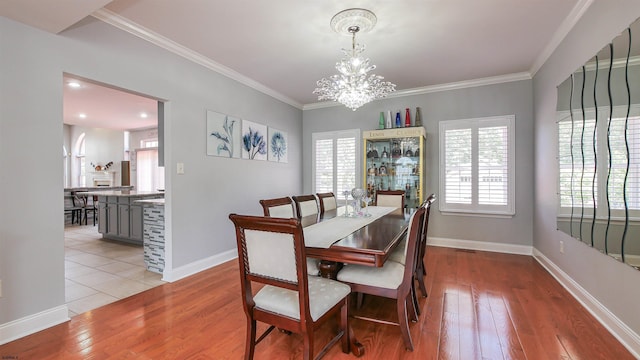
(358, 194)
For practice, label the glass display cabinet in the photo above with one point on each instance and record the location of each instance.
(394, 160)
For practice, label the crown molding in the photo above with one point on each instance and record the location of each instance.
(437, 88)
(569, 22)
(125, 24)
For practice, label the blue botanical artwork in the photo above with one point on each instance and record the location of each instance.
(254, 141)
(223, 135)
(278, 146)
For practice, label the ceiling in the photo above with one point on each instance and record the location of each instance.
(283, 47)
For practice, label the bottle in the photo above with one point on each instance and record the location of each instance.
(385, 154)
(398, 121)
(407, 118)
(407, 153)
(370, 152)
(381, 123)
(396, 152)
(383, 169)
(418, 120)
(389, 122)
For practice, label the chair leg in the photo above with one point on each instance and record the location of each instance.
(344, 326)
(403, 321)
(360, 300)
(308, 345)
(420, 274)
(414, 300)
(251, 339)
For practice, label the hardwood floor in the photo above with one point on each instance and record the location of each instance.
(481, 306)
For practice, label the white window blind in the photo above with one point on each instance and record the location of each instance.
(477, 165)
(335, 158)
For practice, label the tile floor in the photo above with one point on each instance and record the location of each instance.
(99, 271)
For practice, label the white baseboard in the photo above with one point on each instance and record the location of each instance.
(616, 327)
(197, 266)
(480, 245)
(33, 323)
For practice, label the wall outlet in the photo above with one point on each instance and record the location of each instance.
(562, 247)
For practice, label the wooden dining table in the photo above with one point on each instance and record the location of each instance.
(336, 239)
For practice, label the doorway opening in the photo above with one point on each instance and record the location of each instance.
(114, 142)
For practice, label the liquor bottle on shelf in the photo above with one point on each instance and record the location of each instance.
(408, 153)
(396, 152)
(383, 169)
(385, 154)
(407, 118)
(381, 123)
(372, 153)
(398, 121)
(389, 121)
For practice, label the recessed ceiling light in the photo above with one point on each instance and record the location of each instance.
(82, 116)
(143, 115)
(74, 84)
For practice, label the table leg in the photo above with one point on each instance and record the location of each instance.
(329, 269)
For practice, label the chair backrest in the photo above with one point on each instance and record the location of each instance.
(423, 236)
(280, 207)
(394, 198)
(327, 201)
(414, 234)
(271, 251)
(306, 205)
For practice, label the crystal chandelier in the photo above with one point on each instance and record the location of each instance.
(353, 86)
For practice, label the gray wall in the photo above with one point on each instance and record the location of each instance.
(613, 284)
(501, 99)
(32, 63)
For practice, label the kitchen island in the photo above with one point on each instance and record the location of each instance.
(120, 216)
(153, 229)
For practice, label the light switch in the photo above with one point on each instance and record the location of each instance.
(180, 168)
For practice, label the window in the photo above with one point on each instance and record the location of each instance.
(80, 163)
(150, 177)
(334, 158)
(477, 165)
(592, 162)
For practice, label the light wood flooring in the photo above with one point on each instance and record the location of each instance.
(481, 306)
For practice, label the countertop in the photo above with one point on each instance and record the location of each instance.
(125, 193)
(98, 188)
(156, 202)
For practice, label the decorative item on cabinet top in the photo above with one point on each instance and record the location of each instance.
(391, 122)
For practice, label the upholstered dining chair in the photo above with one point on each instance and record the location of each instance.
(280, 207)
(394, 198)
(327, 201)
(399, 254)
(283, 208)
(306, 208)
(271, 252)
(392, 280)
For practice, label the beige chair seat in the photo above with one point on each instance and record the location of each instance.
(323, 295)
(389, 276)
